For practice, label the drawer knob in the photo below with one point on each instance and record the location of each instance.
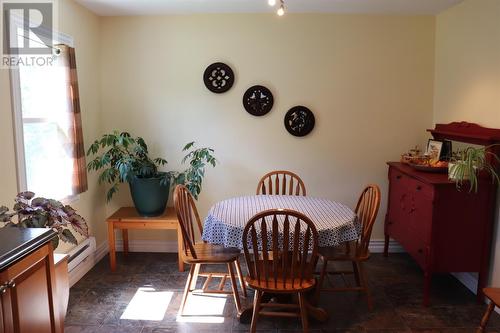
(420, 251)
(11, 284)
(3, 288)
(419, 188)
(389, 223)
(398, 177)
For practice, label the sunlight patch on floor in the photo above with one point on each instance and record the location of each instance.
(148, 304)
(204, 309)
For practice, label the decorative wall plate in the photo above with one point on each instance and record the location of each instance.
(258, 100)
(299, 121)
(218, 77)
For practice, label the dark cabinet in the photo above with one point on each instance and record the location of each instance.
(29, 296)
(442, 228)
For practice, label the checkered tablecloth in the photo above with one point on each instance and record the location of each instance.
(335, 222)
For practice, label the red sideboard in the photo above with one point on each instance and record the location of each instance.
(442, 228)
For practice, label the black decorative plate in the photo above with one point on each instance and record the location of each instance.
(299, 121)
(258, 100)
(218, 77)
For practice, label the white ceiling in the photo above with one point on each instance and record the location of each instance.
(155, 7)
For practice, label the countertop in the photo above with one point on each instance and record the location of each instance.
(15, 242)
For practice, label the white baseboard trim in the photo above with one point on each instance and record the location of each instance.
(377, 246)
(86, 265)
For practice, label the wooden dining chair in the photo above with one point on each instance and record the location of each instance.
(284, 249)
(281, 182)
(355, 251)
(200, 253)
(493, 294)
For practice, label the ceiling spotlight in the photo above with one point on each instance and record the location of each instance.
(281, 10)
(271, 2)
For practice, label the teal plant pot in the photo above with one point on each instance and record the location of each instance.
(149, 196)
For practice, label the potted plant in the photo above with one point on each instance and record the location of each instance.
(36, 212)
(466, 165)
(123, 158)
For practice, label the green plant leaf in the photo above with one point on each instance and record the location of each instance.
(3, 210)
(188, 146)
(5, 216)
(78, 223)
(160, 161)
(142, 144)
(55, 242)
(111, 192)
(27, 195)
(67, 236)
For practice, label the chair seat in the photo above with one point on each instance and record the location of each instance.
(307, 283)
(343, 252)
(493, 295)
(280, 287)
(211, 253)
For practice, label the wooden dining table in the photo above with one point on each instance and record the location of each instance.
(335, 222)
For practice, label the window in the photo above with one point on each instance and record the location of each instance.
(49, 143)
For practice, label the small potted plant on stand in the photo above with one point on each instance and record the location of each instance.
(123, 158)
(36, 212)
(467, 164)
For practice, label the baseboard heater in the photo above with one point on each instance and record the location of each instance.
(81, 252)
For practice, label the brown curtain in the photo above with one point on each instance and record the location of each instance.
(77, 149)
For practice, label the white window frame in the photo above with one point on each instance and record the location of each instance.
(15, 85)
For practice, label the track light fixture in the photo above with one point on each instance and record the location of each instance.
(281, 9)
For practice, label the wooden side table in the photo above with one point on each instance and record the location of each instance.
(127, 218)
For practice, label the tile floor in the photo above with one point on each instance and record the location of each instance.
(143, 296)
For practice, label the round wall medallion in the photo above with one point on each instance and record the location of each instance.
(299, 121)
(258, 100)
(218, 77)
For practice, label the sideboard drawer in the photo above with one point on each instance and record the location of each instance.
(420, 188)
(398, 178)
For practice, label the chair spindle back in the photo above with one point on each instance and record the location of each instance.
(284, 247)
(187, 216)
(281, 182)
(366, 210)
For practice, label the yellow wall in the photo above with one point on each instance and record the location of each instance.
(368, 80)
(84, 27)
(468, 72)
